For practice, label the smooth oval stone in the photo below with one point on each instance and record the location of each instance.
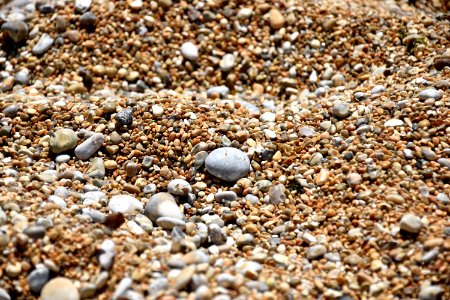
(179, 187)
(227, 163)
(341, 109)
(316, 251)
(306, 131)
(89, 146)
(17, 30)
(432, 292)
(393, 123)
(227, 62)
(430, 93)
(88, 19)
(63, 140)
(226, 196)
(125, 204)
(162, 205)
(60, 288)
(189, 51)
(38, 278)
(42, 46)
(445, 162)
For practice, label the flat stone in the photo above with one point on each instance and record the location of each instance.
(393, 123)
(62, 140)
(125, 204)
(170, 223)
(410, 223)
(43, 45)
(86, 149)
(306, 131)
(430, 93)
(229, 164)
(60, 288)
(226, 196)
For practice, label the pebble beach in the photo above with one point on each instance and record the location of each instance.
(218, 150)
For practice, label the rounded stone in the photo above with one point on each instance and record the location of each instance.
(17, 30)
(89, 146)
(88, 19)
(430, 93)
(277, 20)
(341, 109)
(189, 51)
(179, 187)
(63, 140)
(162, 205)
(316, 251)
(125, 204)
(60, 288)
(227, 62)
(354, 179)
(227, 163)
(410, 223)
(38, 278)
(43, 45)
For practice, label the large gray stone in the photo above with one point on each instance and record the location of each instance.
(227, 163)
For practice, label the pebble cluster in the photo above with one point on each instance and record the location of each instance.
(224, 149)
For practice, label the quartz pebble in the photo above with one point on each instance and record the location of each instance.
(125, 204)
(228, 163)
(163, 205)
(43, 45)
(189, 51)
(86, 149)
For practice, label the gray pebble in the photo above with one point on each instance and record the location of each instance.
(445, 162)
(37, 278)
(276, 194)
(35, 231)
(430, 93)
(220, 90)
(306, 131)
(124, 117)
(4, 295)
(17, 30)
(228, 163)
(157, 285)
(430, 256)
(226, 196)
(90, 146)
(88, 19)
(341, 109)
(441, 197)
(378, 89)
(11, 110)
(169, 223)
(43, 45)
(23, 77)
(121, 288)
